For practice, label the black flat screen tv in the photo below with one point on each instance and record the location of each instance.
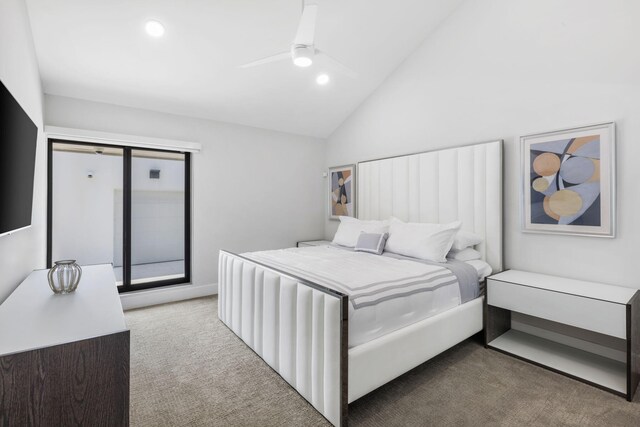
(18, 139)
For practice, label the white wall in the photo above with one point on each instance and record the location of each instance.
(505, 68)
(83, 208)
(252, 189)
(25, 250)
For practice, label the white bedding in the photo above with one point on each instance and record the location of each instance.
(482, 267)
(354, 273)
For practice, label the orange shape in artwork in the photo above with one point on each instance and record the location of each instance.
(565, 202)
(546, 164)
(540, 184)
(547, 210)
(596, 173)
(579, 142)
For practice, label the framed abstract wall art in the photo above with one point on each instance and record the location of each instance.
(342, 187)
(569, 181)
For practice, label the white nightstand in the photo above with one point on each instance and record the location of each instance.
(585, 330)
(313, 243)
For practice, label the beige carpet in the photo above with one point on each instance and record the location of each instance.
(188, 369)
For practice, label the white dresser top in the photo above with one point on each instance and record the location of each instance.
(600, 291)
(34, 317)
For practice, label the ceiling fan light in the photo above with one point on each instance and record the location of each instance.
(154, 28)
(302, 61)
(322, 79)
(302, 55)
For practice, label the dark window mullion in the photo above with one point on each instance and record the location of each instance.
(187, 217)
(49, 203)
(126, 221)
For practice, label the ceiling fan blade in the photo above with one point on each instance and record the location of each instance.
(307, 25)
(273, 58)
(337, 65)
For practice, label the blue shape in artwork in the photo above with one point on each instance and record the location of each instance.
(590, 149)
(577, 170)
(589, 192)
(591, 216)
(539, 216)
(557, 147)
(335, 176)
(551, 188)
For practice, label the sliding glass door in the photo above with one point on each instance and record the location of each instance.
(157, 216)
(126, 206)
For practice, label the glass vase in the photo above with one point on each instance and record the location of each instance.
(64, 276)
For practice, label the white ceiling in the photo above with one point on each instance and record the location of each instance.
(98, 50)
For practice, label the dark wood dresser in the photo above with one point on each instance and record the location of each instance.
(64, 359)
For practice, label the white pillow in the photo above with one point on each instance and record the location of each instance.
(466, 239)
(467, 254)
(421, 240)
(350, 228)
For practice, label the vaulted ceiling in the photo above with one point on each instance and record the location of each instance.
(98, 50)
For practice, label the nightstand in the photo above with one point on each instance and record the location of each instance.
(313, 243)
(585, 330)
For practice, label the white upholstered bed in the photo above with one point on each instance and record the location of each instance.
(300, 327)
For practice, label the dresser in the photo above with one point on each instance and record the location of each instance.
(586, 330)
(64, 359)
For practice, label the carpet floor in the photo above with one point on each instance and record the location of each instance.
(188, 369)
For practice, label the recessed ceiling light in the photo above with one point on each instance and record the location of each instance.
(322, 79)
(154, 28)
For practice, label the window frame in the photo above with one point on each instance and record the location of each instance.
(126, 202)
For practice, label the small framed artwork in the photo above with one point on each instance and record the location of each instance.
(342, 189)
(569, 181)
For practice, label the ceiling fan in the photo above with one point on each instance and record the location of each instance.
(302, 51)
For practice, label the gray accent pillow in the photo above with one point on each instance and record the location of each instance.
(372, 242)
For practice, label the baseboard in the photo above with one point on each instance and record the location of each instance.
(148, 297)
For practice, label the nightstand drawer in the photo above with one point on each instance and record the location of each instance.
(587, 313)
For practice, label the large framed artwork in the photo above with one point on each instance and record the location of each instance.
(342, 187)
(569, 181)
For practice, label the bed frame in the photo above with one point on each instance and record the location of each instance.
(300, 328)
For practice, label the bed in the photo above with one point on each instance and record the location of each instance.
(295, 314)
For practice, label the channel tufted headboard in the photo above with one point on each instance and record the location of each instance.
(462, 183)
